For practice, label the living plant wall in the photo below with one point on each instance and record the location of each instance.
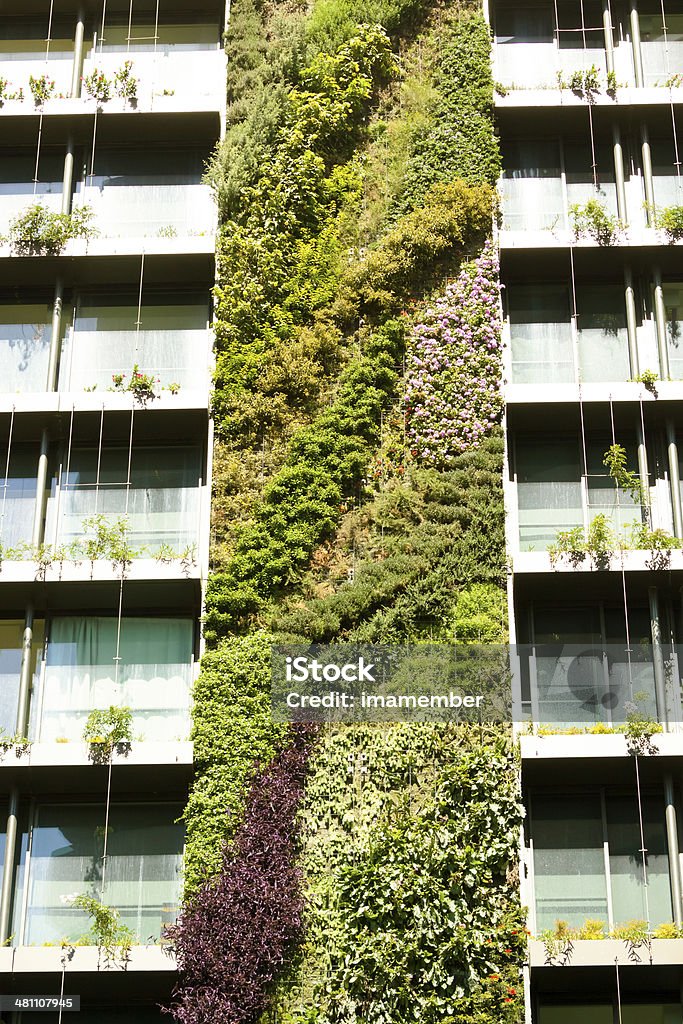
(359, 873)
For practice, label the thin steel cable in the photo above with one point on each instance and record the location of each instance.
(99, 460)
(104, 14)
(7, 464)
(616, 967)
(623, 571)
(49, 31)
(643, 848)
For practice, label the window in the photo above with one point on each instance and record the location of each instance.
(90, 663)
(160, 504)
(164, 37)
(143, 862)
(549, 491)
(171, 340)
(582, 184)
(661, 45)
(602, 335)
(673, 302)
(533, 196)
(155, 192)
(668, 183)
(17, 495)
(19, 191)
(27, 40)
(540, 334)
(587, 853)
(571, 1014)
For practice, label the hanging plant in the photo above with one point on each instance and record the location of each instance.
(143, 386)
(113, 939)
(40, 232)
(592, 220)
(106, 730)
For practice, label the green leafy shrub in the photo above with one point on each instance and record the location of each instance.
(40, 232)
(670, 220)
(592, 219)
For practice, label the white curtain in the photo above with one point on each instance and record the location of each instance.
(549, 492)
(153, 675)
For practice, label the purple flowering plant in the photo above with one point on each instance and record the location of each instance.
(454, 366)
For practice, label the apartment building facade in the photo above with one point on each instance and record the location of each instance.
(590, 108)
(108, 114)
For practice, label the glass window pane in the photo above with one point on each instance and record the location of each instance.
(569, 866)
(149, 193)
(581, 184)
(11, 643)
(673, 302)
(165, 37)
(17, 496)
(144, 853)
(25, 346)
(541, 334)
(630, 899)
(533, 197)
(549, 491)
(662, 50)
(602, 334)
(152, 675)
(651, 1013)
(604, 497)
(171, 341)
(160, 506)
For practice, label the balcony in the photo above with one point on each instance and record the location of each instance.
(132, 864)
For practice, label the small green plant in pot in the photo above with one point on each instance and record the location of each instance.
(113, 939)
(41, 88)
(97, 86)
(126, 84)
(670, 220)
(107, 729)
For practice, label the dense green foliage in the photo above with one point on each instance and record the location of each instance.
(412, 910)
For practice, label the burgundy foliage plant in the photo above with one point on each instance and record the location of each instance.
(235, 937)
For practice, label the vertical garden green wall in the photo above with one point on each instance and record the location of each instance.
(358, 495)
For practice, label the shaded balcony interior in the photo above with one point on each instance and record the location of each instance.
(172, 47)
(83, 663)
(104, 474)
(545, 176)
(655, 1012)
(534, 43)
(129, 858)
(164, 332)
(133, 190)
(589, 861)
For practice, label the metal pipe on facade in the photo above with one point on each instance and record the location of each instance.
(631, 323)
(619, 177)
(660, 320)
(41, 491)
(674, 478)
(25, 674)
(674, 854)
(55, 337)
(609, 36)
(77, 73)
(8, 868)
(660, 676)
(648, 179)
(635, 43)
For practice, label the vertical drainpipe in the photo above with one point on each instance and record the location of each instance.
(643, 471)
(78, 56)
(648, 180)
(8, 869)
(674, 478)
(609, 36)
(631, 323)
(660, 677)
(672, 844)
(41, 491)
(619, 173)
(24, 700)
(635, 43)
(56, 334)
(660, 320)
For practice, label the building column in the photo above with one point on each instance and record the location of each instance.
(674, 853)
(635, 43)
(631, 323)
(660, 321)
(8, 869)
(643, 473)
(660, 675)
(77, 73)
(674, 478)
